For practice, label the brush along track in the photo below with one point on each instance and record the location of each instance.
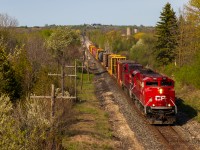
(150, 137)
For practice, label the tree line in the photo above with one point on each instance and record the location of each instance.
(27, 55)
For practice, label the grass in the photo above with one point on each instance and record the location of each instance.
(190, 103)
(86, 110)
(92, 130)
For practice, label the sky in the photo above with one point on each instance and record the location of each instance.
(77, 12)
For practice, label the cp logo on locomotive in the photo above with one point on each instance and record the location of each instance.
(160, 98)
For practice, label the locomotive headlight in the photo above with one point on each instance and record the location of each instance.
(160, 91)
(169, 105)
(153, 105)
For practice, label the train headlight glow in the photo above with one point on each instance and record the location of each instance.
(160, 91)
(169, 105)
(153, 105)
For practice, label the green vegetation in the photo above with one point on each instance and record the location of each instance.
(143, 50)
(25, 63)
(8, 81)
(11, 136)
(166, 33)
(112, 41)
(63, 44)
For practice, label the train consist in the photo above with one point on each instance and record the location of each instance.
(152, 92)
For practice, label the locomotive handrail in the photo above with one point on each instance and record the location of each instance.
(175, 106)
(145, 110)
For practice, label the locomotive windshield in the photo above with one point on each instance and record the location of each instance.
(151, 83)
(166, 83)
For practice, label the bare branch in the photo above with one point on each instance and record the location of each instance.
(7, 21)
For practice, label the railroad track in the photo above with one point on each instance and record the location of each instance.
(167, 136)
(172, 138)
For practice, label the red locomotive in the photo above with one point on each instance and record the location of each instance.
(155, 95)
(152, 92)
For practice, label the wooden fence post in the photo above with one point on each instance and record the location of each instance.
(88, 70)
(53, 146)
(52, 102)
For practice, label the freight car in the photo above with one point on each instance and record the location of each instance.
(152, 92)
(112, 63)
(124, 69)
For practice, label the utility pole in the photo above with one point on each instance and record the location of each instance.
(75, 77)
(53, 101)
(62, 79)
(83, 60)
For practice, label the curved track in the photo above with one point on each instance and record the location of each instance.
(150, 136)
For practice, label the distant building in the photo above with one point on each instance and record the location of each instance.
(135, 30)
(128, 31)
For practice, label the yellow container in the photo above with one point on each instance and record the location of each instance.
(112, 63)
(91, 47)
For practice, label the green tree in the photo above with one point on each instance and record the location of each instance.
(61, 42)
(8, 82)
(193, 14)
(193, 18)
(166, 33)
(142, 51)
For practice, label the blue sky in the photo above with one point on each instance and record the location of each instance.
(75, 12)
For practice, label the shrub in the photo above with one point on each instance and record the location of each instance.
(11, 137)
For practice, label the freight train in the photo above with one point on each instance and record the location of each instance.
(152, 93)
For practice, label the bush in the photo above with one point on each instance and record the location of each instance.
(189, 74)
(143, 50)
(11, 137)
